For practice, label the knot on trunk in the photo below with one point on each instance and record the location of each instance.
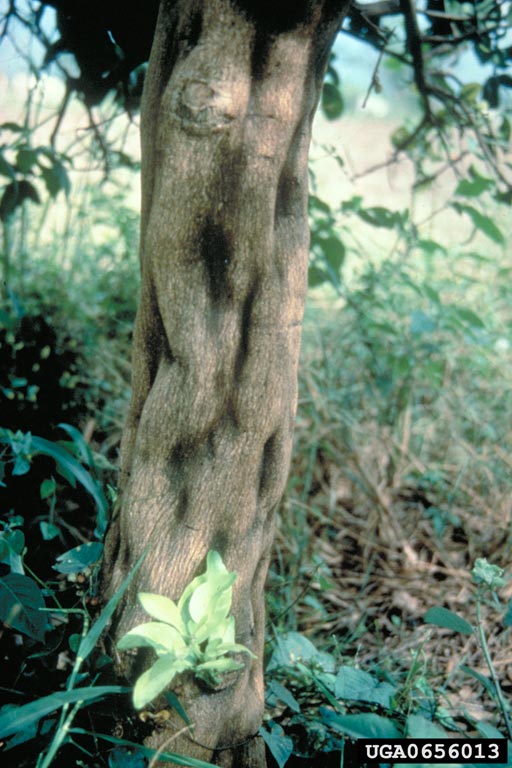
(205, 106)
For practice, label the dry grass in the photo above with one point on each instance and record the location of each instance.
(384, 521)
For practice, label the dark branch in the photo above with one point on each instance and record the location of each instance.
(414, 47)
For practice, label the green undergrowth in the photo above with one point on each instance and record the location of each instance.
(321, 703)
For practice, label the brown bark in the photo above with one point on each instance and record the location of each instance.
(228, 105)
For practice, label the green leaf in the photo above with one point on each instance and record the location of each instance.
(442, 617)
(14, 195)
(156, 678)
(482, 679)
(49, 531)
(80, 443)
(366, 725)
(332, 101)
(220, 665)
(333, 252)
(17, 719)
(6, 169)
(292, 648)
(47, 488)
(468, 316)
(36, 729)
(163, 638)
(26, 159)
(11, 126)
(79, 558)
(481, 222)
(316, 204)
(282, 693)
(490, 575)
(488, 731)
(223, 632)
(67, 462)
(162, 608)
(208, 597)
(215, 651)
(56, 178)
(21, 602)
(470, 92)
(430, 247)
(175, 703)
(507, 618)
(317, 276)
(280, 745)
(21, 465)
(474, 187)
(9, 201)
(123, 757)
(15, 541)
(419, 727)
(491, 89)
(381, 217)
(421, 323)
(357, 685)
(209, 604)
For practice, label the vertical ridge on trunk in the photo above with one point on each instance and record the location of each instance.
(227, 113)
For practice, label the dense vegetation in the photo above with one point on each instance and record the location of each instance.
(385, 615)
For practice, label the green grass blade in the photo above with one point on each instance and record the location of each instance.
(164, 757)
(81, 444)
(92, 637)
(73, 467)
(16, 719)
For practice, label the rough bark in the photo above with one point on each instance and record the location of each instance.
(229, 99)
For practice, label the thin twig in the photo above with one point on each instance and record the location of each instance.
(60, 115)
(163, 746)
(374, 82)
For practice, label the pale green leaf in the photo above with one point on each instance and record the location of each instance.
(224, 631)
(163, 638)
(210, 599)
(235, 648)
(292, 647)
(358, 685)
(162, 608)
(223, 664)
(150, 684)
(208, 606)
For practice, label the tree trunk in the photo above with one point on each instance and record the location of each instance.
(230, 95)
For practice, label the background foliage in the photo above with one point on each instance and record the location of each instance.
(401, 474)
